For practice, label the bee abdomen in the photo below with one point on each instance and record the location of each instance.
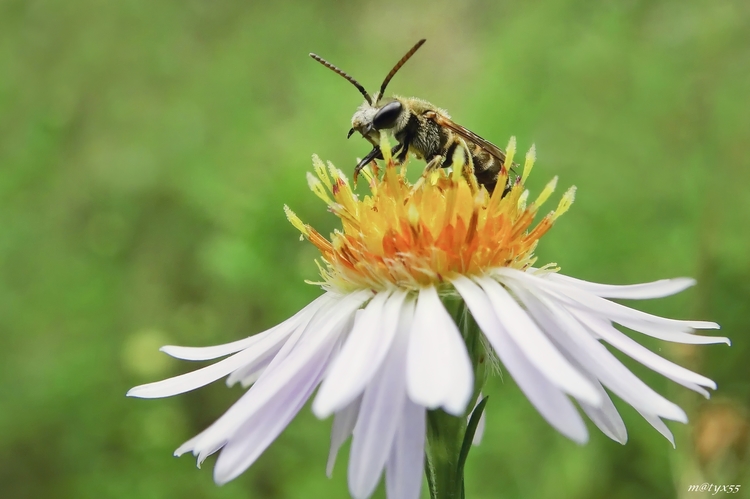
(486, 167)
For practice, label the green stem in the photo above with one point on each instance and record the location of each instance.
(444, 437)
(449, 437)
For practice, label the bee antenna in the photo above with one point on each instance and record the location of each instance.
(398, 66)
(348, 78)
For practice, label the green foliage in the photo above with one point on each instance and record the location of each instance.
(147, 149)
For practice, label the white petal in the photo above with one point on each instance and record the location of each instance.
(572, 336)
(640, 353)
(248, 375)
(253, 357)
(600, 306)
(216, 351)
(249, 358)
(189, 446)
(259, 430)
(361, 354)
(552, 404)
(403, 475)
(674, 336)
(439, 371)
(343, 425)
(606, 417)
(657, 423)
(651, 325)
(308, 333)
(535, 345)
(380, 414)
(324, 331)
(656, 289)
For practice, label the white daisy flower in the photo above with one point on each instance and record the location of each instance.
(384, 352)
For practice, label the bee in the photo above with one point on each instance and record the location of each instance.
(420, 128)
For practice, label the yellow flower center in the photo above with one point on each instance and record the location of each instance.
(408, 236)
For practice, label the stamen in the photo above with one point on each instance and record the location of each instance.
(320, 171)
(296, 221)
(413, 216)
(510, 151)
(522, 200)
(316, 186)
(529, 163)
(385, 147)
(458, 161)
(546, 193)
(565, 203)
(409, 236)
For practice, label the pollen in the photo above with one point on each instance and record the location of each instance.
(409, 236)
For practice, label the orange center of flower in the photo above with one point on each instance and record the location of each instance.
(409, 236)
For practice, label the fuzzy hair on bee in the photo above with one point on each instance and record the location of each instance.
(421, 129)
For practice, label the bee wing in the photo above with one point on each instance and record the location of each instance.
(467, 135)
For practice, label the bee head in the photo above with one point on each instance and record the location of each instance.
(372, 116)
(369, 119)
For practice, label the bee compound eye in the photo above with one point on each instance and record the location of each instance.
(386, 115)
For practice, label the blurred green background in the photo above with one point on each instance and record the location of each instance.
(147, 149)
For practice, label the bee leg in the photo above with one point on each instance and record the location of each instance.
(508, 187)
(467, 170)
(458, 154)
(375, 153)
(435, 163)
(397, 153)
(403, 147)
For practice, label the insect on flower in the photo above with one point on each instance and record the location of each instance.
(381, 351)
(422, 129)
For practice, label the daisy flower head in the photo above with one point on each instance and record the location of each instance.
(422, 285)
